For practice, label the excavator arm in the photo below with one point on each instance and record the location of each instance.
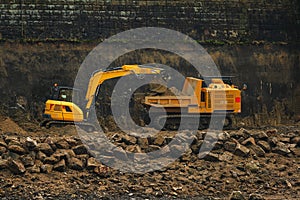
(99, 77)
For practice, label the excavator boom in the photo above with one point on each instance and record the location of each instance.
(99, 77)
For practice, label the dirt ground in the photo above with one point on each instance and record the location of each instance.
(273, 175)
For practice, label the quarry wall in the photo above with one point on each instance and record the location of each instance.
(237, 20)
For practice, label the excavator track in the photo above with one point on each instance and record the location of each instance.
(84, 125)
(173, 121)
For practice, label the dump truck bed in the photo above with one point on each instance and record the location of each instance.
(170, 101)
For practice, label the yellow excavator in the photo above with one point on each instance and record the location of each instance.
(60, 110)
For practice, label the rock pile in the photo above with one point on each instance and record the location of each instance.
(22, 154)
(43, 155)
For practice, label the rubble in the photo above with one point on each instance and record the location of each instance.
(46, 168)
(75, 163)
(17, 149)
(264, 145)
(258, 150)
(16, 166)
(237, 195)
(249, 157)
(241, 150)
(45, 148)
(60, 166)
(281, 149)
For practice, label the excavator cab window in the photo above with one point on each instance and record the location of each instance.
(65, 94)
(62, 93)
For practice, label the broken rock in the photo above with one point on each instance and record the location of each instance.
(230, 146)
(258, 150)
(8, 139)
(62, 144)
(34, 169)
(75, 163)
(102, 171)
(2, 143)
(45, 148)
(241, 150)
(261, 135)
(281, 149)
(237, 195)
(296, 140)
(264, 145)
(249, 141)
(51, 160)
(143, 143)
(272, 131)
(30, 143)
(60, 166)
(253, 167)
(40, 156)
(16, 166)
(17, 149)
(256, 197)
(273, 141)
(2, 150)
(47, 168)
(159, 141)
(92, 163)
(27, 160)
(129, 140)
(152, 148)
(212, 157)
(80, 149)
(226, 156)
(3, 163)
(72, 142)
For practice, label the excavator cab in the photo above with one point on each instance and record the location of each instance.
(60, 107)
(63, 93)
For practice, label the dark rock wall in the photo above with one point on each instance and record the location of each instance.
(235, 20)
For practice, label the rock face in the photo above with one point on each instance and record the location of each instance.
(122, 13)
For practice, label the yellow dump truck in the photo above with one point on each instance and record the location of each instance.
(196, 101)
